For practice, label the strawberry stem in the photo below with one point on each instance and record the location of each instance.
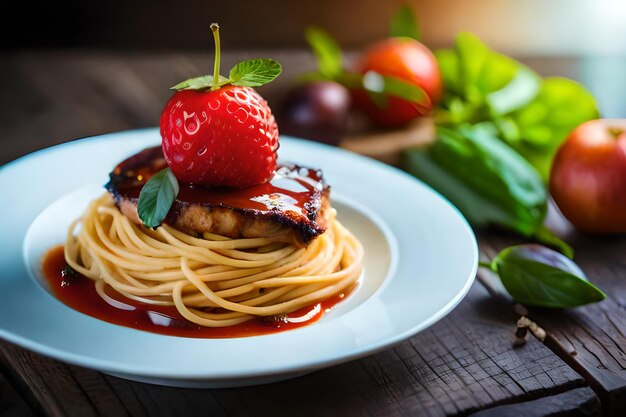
(215, 28)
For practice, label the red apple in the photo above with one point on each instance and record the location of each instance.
(588, 177)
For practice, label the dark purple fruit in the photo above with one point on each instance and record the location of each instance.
(317, 110)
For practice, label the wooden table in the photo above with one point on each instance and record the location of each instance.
(463, 365)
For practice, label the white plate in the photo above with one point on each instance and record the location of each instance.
(421, 258)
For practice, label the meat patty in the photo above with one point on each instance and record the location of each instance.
(291, 207)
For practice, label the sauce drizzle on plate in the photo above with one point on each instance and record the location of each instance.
(79, 293)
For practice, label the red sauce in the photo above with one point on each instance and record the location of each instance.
(79, 292)
(293, 188)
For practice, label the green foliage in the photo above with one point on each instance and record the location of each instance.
(542, 125)
(327, 52)
(484, 178)
(534, 116)
(404, 23)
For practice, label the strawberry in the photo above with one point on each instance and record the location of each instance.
(218, 131)
(225, 137)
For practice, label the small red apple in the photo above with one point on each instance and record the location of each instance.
(588, 177)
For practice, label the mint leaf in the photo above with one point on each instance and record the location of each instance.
(538, 276)
(326, 51)
(199, 83)
(250, 73)
(404, 24)
(156, 198)
(254, 72)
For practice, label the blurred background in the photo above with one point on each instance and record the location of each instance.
(581, 39)
(529, 27)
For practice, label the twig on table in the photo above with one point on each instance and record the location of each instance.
(523, 325)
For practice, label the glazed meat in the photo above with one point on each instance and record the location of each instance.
(291, 207)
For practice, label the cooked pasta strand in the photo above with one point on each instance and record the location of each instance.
(243, 278)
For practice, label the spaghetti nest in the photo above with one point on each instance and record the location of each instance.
(212, 281)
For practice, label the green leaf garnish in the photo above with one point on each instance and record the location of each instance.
(156, 198)
(404, 24)
(538, 276)
(254, 72)
(250, 73)
(327, 52)
(199, 83)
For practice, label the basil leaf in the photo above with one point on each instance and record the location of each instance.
(490, 83)
(404, 24)
(538, 276)
(381, 85)
(326, 51)
(254, 72)
(449, 67)
(521, 90)
(544, 123)
(482, 70)
(534, 116)
(156, 198)
(485, 179)
(199, 83)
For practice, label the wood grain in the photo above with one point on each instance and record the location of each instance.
(591, 339)
(580, 402)
(11, 403)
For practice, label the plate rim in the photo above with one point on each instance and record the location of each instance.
(106, 365)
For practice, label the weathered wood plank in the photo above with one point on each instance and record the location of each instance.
(591, 339)
(11, 403)
(58, 96)
(48, 385)
(580, 402)
(464, 363)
